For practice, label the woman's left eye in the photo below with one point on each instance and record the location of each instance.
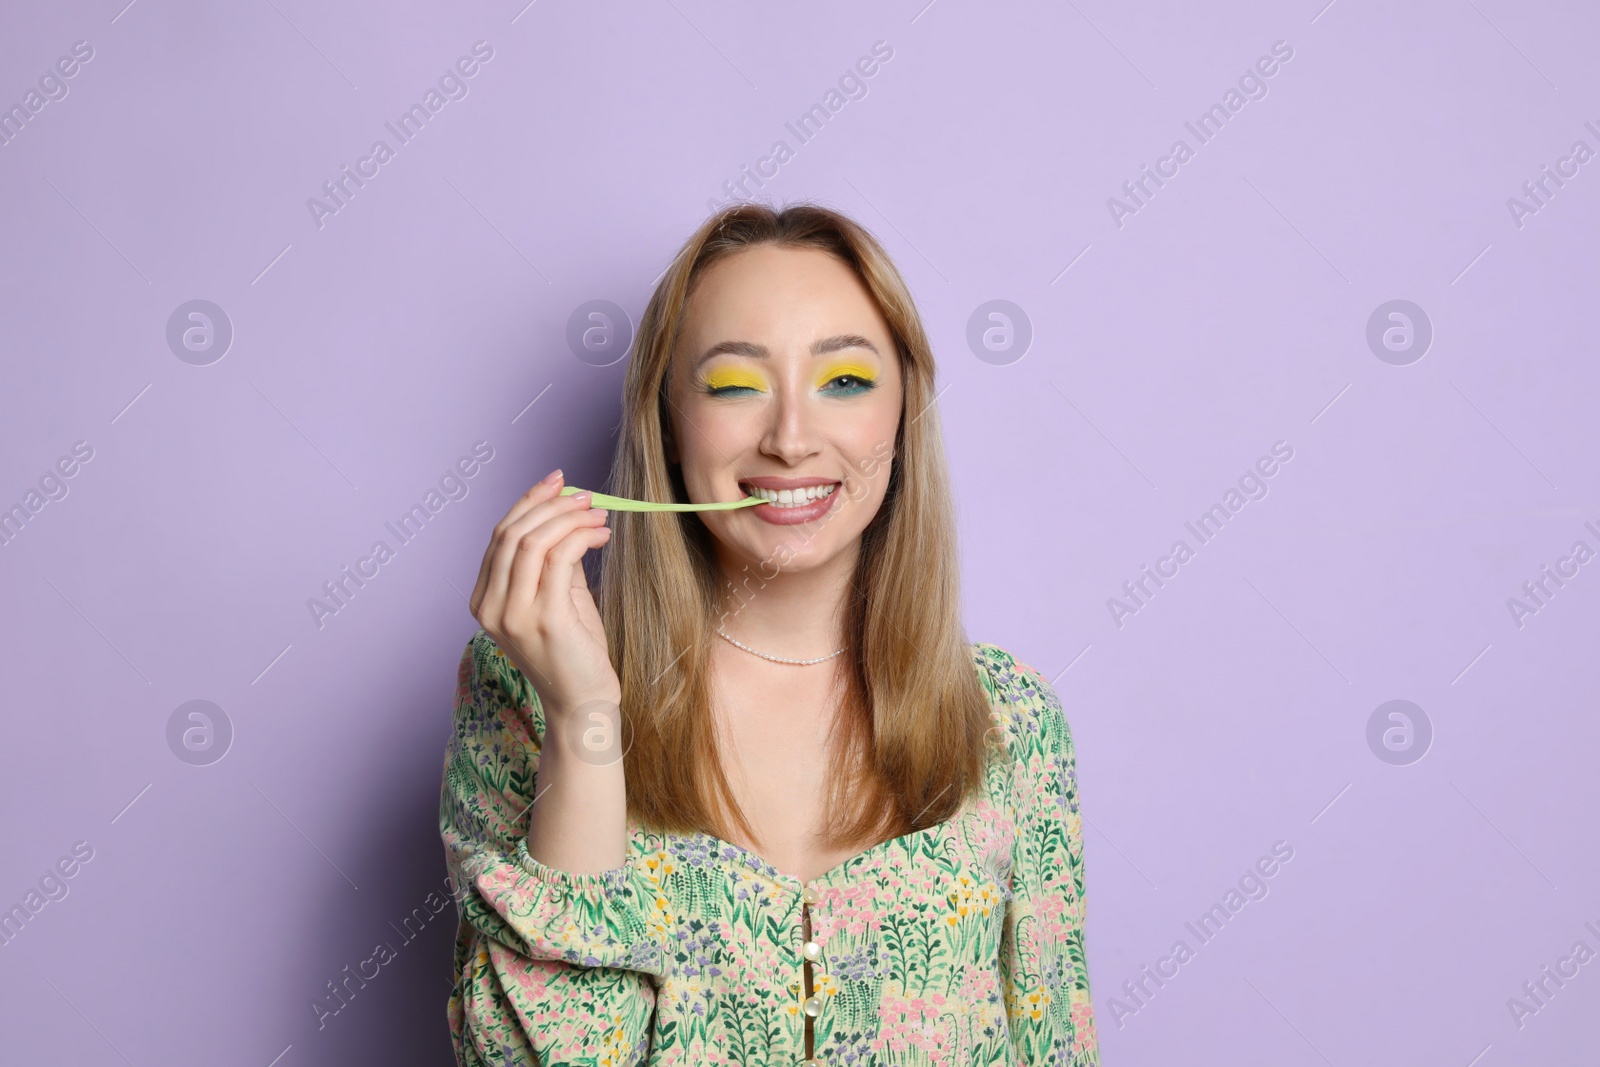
(850, 383)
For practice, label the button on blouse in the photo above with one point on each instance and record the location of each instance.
(956, 944)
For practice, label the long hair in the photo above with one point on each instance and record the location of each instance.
(910, 742)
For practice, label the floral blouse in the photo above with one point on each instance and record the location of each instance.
(960, 943)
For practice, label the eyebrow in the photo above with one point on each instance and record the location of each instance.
(819, 348)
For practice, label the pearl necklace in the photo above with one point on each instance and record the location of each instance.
(778, 659)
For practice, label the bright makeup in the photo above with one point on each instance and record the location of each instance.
(733, 378)
(841, 367)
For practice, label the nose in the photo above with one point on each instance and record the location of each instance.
(793, 435)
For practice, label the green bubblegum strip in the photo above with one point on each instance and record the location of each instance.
(607, 502)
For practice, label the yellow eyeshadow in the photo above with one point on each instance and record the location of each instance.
(858, 370)
(736, 377)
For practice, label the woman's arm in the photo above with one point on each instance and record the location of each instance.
(534, 941)
(1045, 974)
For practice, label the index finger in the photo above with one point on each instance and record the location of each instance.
(543, 490)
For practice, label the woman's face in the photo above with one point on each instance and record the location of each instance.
(785, 381)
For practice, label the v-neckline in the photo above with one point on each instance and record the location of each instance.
(771, 869)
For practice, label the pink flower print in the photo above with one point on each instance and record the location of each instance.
(1037, 777)
(1083, 1036)
(1050, 906)
(531, 978)
(979, 986)
(850, 909)
(913, 1023)
(1054, 915)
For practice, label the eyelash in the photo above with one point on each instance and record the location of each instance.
(863, 385)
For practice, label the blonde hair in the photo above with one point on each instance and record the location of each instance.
(911, 740)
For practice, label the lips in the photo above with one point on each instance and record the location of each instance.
(791, 500)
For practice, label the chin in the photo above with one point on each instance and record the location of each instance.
(789, 553)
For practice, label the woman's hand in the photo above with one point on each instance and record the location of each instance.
(533, 599)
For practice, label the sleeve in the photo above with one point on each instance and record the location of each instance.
(551, 967)
(1044, 971)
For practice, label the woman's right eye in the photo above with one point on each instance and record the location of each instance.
(732, 382)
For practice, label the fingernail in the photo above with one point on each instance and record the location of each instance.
(583, 497)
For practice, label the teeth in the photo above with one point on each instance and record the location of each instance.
(792, 498)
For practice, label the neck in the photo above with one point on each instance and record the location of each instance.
(795, 615)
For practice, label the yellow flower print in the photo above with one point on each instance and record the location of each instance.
(658, 867)
(660, 920)
(614, 1043)
(966, 898)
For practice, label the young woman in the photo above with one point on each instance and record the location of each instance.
(765, 804)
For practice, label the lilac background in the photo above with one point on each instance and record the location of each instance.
(1227, 314)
